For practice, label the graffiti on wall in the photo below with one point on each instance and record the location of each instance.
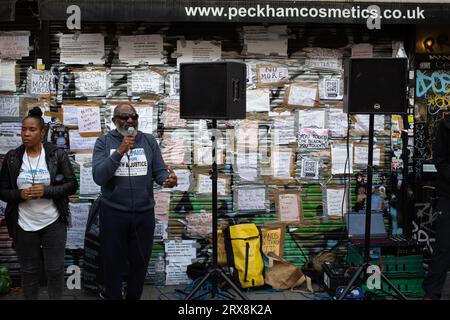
(423, 227)
(434, 88)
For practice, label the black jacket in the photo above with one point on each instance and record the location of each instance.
(441, 156)
(58, 163)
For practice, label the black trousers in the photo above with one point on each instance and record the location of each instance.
(126, 239)
(440, 260)
(31, 246)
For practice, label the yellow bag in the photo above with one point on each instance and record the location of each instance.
(244, 254)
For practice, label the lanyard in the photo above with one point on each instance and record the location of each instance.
(33, 172)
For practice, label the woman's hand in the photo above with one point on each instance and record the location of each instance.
(36, 191)
(24, 194)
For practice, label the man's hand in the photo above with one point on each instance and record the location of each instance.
(171, 181)
(127, 144)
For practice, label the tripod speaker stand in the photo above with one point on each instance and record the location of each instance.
(214, 271)
(363, 268)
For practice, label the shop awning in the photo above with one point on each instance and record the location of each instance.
(7, 10)
(271, 11)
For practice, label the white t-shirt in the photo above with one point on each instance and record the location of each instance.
(35, 214)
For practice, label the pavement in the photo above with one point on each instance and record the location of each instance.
(152, 292)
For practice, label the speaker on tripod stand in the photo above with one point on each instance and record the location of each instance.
(373, 86)
(213, 91)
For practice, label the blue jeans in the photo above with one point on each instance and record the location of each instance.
(31, 246)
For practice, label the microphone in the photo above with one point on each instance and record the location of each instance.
(131, 131)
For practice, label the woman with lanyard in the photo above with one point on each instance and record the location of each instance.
(35, 182)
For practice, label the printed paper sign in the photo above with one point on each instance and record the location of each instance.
(7, 75)
(198, 51)
(14, 46)
(137, 164)
(82, 49)
(141, 49)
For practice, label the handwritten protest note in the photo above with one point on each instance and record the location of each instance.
(9, 136)
(40, 82)
(271, 75)
(89, 120)
(273, 240)
(251, 199)
(310, 138)
(288, 206)
(9, 106)
(336, 201)
(145, 118)
(145, 81)
(90, 83)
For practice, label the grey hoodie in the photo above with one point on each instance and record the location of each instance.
(127, 181)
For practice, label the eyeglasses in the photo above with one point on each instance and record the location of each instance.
(125, 116)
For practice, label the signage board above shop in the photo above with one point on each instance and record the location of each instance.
(273, 11)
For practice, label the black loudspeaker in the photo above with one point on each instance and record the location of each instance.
(213, 90)
(375, 85)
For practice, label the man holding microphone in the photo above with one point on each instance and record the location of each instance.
(125, 163)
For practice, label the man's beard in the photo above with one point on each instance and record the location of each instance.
(124, 132)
